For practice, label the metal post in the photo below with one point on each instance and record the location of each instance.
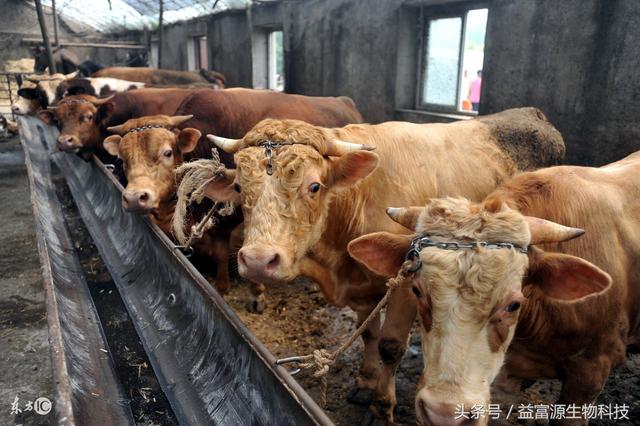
(55, 23)
(160, 34)
(45, 37)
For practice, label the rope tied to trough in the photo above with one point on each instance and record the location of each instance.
(321, 360)
(194, 178)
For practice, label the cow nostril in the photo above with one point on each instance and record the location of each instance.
(143, 196)
(275, 260)
(241, 258)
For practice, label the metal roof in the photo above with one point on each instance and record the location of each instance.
(119, 15)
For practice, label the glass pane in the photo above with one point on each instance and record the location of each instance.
(442, 60)
(276, 61)
(472, 59)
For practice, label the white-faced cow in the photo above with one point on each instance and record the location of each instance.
(561, 309)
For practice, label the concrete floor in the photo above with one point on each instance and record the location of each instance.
(25, 364)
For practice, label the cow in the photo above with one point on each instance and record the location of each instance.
(29, 101)
(231, 113)
(161, 77)
(65, 60)
(83, 119)
(96, 86)
(540, 304)
(327, 187)
(46, 87)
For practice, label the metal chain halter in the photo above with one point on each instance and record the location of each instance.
(422, 241)
(146, 127)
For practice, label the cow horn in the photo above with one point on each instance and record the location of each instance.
(336, 147)
(51, 108)
(101, 101)
(545, 231)
(177, 120)
(405, 216)
(71, 75)
(118, 130)
(226, 144)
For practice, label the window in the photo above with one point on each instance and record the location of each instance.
(197, 53)
(276, 61)
(451, 63)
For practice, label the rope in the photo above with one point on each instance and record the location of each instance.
(321, 360)
(194, 178)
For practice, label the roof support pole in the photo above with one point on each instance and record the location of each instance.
(45, 37)
(160, 34)
(55, 23)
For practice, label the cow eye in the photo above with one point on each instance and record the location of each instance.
(512, 307)
(314, 187)
(237, 187)
(168, 153)
(415, 291)
(89, 117)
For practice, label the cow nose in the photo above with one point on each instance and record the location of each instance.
(258, 263)
(434, 414)
(66, 142)
(136, 201)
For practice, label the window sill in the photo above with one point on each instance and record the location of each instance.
(433, 115)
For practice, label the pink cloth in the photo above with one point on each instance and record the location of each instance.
(474, 90)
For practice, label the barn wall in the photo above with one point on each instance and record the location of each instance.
(578, 61)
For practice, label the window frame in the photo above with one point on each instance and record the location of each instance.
(427, 14)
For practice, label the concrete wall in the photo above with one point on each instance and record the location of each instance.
(577, 60)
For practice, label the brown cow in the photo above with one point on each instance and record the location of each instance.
(231, 112)
(548, 313)
(83, 119)
(322, 194)
(161, 77)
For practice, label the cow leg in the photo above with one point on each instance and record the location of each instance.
(394, 339)
(582, 381)
(370, 367)
(257, 302)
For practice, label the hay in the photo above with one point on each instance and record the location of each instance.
(194, 178)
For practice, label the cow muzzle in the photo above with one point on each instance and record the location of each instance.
(68, 143)
(260, 263)
(431, 412)
(138, 201)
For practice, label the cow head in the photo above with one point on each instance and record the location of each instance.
(285, 198)
(49, 85)
(151, 148)
(80, 120)
(470, 299)
(30, 100)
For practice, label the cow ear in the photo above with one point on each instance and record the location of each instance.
(188, 139)
(565, 277)
(223, 189)
(112, 144)
(381, 252)
(350, 168)
(105, 111)
(47, 116)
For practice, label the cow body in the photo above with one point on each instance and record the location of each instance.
(161, 77)
(605, 202)
(96, 86)
(291, 232)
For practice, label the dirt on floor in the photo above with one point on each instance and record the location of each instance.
(25, 363)
(297, 320)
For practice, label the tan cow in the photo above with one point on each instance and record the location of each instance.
(323, 192)
(548, 313)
